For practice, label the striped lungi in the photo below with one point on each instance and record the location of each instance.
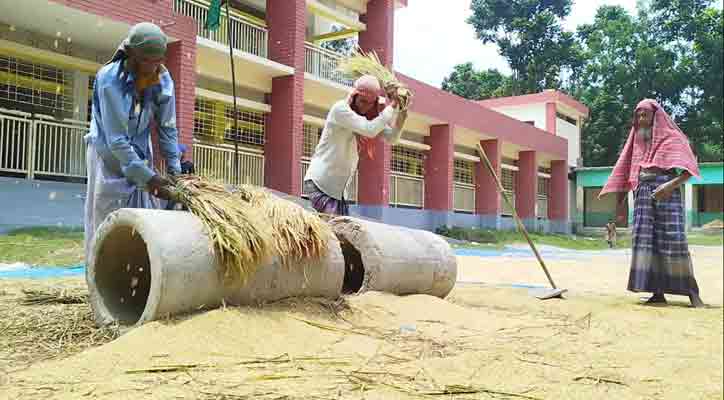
(660, 261)
(324, 203)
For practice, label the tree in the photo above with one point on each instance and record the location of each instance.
(698, 27)
(529, 35)
(671, 50)
(471, 84)
(628, 58)
(342, 46)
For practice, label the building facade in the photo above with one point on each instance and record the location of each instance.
(286, 82)
(703, 198)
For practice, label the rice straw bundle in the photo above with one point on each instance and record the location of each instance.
(241, 238)
(359, 64)
(296, 232)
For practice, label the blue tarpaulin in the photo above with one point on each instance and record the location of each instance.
(24, 271)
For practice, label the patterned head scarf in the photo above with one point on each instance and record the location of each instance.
(146, 38)
(368, 87)
(669, 149)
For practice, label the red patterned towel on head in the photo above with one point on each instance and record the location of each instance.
(669, 149)
(369, 87)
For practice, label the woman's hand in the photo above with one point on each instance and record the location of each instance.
(664, 191)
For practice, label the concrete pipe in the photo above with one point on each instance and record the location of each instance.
(149, 264)
(394, 259)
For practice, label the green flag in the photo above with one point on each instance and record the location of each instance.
(214, 16)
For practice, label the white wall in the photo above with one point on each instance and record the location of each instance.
(530, 112)
(572, 134)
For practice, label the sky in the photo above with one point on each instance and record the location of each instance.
(431, 38)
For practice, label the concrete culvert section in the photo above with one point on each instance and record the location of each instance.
(354, 270)
(395, 259)
(167, 258)
(125, 280)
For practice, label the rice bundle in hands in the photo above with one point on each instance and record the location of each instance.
(297, 233)
(359, 64)
(241, 238)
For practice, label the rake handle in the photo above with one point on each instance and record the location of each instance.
(519, 223)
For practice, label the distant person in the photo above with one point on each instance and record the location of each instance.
(131, 90)
(351, 126)
(654, 163)
(187, 166)
(611, 233)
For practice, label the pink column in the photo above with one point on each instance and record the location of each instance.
(558, 198)
(526, 186)
(487, 198)
(379, 36)
(284, 132)
(551, 125)
(374, 173)
(181, 62)
(439, 168)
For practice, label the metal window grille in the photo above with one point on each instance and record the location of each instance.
(544, 170)
(407, 183)
(543, 187)
(214, 122)
(35, 88)
(91, 83)
(508, 178)
(464, 186)
(464, 172)
(312, 133)
(407, 161)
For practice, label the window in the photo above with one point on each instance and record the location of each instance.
(35, 88)
(567, 119)
(214, 121)
(464, 172)
(407, 161)
(312, 133)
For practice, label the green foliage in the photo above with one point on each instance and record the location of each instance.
(471, 84)
(486, 238)
(529, 35)
(672, 51)
(342, 46)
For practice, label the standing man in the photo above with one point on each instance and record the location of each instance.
(130, 91)
(611, 233)
(655, 162)
(351, 127)
(187, 167)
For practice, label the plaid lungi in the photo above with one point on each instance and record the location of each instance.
(660, 261)
(324, 203)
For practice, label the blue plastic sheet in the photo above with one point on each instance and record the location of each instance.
(547, 252)
(24, 271)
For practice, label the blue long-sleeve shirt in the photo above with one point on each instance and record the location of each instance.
(121, 126)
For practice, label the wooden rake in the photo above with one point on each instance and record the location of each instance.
(545, 294)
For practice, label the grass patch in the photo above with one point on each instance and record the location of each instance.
(51, 246)
(481, 238)
(706, 239)
(490, 238)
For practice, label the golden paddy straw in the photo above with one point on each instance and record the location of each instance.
(241, 239)
(359, 64)
(297, 234)
(250, 225)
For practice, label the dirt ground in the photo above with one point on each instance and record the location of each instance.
(485, 341)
